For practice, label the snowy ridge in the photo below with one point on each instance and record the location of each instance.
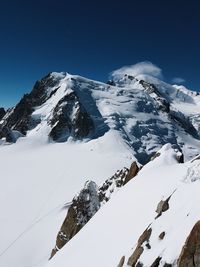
(146, 112)
(69, 130)
(132, 210)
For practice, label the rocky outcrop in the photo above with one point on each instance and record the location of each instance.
(156, 262)
(7, 134)
(70, 119)
(2, 113)
(112, 184)
(160, 102)
(134, 169)
(163, 206)
(83, 207)
(19, 118)
(162, 235)
(88, 202)
(184, 122)
(121, 263)
(144, 238)
(190, 254)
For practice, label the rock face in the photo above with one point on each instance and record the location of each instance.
(156, 262)
(161, 235)
(134, 169)
(161, 102)
(190, 254)
(70, 119)
(112, 184)
(163, 206)
(83, 207)
(144, 238)
(19, 118)
(184, 122)
(2, 113)
(88, 202)
(121, 263)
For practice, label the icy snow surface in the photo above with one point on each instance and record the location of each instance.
(40, 178)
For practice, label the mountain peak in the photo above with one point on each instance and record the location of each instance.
(62, 107)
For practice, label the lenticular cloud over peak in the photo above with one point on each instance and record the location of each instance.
(144, 67)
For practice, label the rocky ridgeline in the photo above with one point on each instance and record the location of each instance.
(189, 257)
(69, 117)
(62, 107)
(190, 253)
(88, 202)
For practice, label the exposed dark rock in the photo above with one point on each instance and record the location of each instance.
(2, 113)
(70, 119)
(134, 169)
(160, 102)
(130, 77)
(86, 204)
(111, 82)
(184, 122)
(190, 254)
(82, 209)
(19, 118)
(163, 206)
(135, 256)
(180, 157)
(148, 245)
(139, 249)
(6, 133)
(162, 235)
(167, 265)
(121, 263)
(156, 262)
(145, 236)
(111, 184)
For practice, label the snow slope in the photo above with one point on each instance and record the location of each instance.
(37, 182)
(115, 229)
(129, 120)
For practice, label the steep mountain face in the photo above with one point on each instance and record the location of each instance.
(2, 113)
(152, 221)
(145, 111)
(65, 115)
(90, 199)
(59, 146)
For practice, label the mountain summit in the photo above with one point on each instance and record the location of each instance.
(144, 111)
(101, 174)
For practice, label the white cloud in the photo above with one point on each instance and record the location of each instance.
(144, 67)
(178, 80)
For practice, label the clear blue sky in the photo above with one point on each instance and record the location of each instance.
(92, 38)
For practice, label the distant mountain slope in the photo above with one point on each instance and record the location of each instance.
(145, 111)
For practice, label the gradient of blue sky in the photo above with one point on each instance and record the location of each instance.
(92, 38)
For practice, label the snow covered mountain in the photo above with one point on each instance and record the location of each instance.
(70, 131)
(146, 112)
(146, 223)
